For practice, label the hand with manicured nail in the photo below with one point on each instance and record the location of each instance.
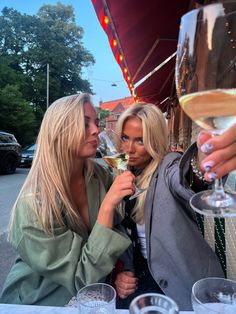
(221, 154)
(203, 150)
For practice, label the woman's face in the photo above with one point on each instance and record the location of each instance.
(89, 146)
(132, 143)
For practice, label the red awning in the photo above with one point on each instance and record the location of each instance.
(142, 35)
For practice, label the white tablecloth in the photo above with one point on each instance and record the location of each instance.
(32, 309)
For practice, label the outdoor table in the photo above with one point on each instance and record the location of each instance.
(34, 309)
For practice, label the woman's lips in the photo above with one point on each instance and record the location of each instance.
(132, 159)
(94, 143)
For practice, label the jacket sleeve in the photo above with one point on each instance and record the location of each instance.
(174, 170)
(66, 258)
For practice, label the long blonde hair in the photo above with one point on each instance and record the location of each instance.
(155, 139)
(46, 190)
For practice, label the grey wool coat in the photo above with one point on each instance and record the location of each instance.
(177, 253)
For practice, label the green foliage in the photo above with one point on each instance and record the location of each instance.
(102, 114)
(16, 115)
(27, 45)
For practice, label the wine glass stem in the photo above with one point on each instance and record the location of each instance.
(219, 189)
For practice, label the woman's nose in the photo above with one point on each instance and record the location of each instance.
(130, 147)
(94, 129)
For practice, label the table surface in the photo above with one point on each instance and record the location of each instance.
(33, 309)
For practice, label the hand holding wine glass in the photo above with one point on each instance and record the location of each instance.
(221, 153)
(115, 159)
(206, 84)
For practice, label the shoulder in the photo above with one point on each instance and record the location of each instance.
(171, 158)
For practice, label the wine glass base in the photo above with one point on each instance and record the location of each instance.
(205, 203)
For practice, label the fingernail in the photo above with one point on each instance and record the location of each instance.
(212, 176)
(207, 165)
(206, 148)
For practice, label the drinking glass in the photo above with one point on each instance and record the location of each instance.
(206, 85)
(97, 298)
(214, 295)
(153, 303)
(115, 159)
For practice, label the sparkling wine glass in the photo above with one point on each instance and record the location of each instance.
(206, 85)
(115, 159)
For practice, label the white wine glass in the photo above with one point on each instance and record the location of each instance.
(115, 159)
(206, 85)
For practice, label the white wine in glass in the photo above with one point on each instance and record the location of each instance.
(206, 85)
(118, 161)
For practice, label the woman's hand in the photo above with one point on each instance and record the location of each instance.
(122, 186)
(221, 154)
(125, 283)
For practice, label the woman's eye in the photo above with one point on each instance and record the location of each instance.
(124, 138)
(140, 141)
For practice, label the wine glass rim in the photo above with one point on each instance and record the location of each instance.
(154, 295)
(217, 4)
(226, 280)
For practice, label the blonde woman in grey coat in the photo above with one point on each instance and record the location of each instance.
(169, 251)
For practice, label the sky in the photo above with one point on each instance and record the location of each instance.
(106, 70)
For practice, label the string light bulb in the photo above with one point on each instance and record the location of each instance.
(106, 19)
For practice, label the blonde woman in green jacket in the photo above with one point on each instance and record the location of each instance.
(62, 222)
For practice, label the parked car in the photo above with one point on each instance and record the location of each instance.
(9, 153)
(27, 155)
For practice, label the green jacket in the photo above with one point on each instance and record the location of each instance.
(51, 269)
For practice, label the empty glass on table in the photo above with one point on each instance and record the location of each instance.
(153, 303)
(97, 298)
(214, 295)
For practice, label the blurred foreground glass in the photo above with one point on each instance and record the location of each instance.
(98, 298)
(206, 85)
(153, 303)
(214, 296)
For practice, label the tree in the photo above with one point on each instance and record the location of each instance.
(102, 114)
(59, 44)
(27, 45)
(16, 115)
